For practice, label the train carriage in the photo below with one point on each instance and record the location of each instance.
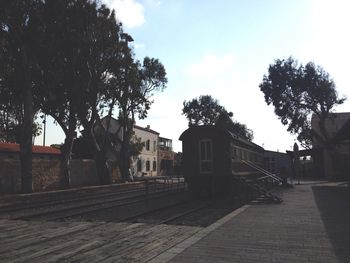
(212, 156)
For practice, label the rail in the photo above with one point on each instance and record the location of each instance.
(263, 171)
(156, 184)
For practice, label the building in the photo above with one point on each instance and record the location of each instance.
(147, 162)
(166, 156)
(12, 151)
(113, 127)
(277, 163)
(156, 157)
(334, 163)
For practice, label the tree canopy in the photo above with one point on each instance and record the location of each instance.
(69, 59)
(297, 91)
(206, 110)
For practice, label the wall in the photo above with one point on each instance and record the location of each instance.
(150, 155)
(46, 174)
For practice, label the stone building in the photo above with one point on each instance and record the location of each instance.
(147, 162)
(335, 163)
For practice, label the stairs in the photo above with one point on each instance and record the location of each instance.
(259, 189)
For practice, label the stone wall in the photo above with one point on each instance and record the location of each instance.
(83, 173)
(46, 174)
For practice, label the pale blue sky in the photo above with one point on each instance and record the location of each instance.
(223, 48)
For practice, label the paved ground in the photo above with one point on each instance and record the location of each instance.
(311, 225)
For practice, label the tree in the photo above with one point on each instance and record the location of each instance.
(207, 111)
(202, 111)
(20, 26)
(132, 87)
(297, 92)
(79, 42)
(225, 121)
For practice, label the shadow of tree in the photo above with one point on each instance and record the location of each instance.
(333, 203)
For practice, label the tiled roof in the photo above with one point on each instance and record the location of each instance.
(36, 149)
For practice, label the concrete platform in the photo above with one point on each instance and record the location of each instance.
(311, 225)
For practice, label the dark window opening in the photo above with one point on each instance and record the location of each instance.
(148, 166)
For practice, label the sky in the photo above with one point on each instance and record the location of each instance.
(223, 48)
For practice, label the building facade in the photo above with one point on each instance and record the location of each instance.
(335, 162)
(166, 156)
(277, 163)
(146, 164)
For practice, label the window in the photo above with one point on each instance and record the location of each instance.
(154, 146)
(139, 165)
(148, 166)
(147, 145)
(205, 156)
(154, 166)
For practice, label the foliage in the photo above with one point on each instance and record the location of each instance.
(298, 91)
(202, 111)
(70, 59)
(131, 89)
(20, 28)
(207, 111)
(136, 146)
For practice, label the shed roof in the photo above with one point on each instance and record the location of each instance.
(228, 133)
(36, 149)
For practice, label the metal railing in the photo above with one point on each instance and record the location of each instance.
(163, 184)
(263, 171)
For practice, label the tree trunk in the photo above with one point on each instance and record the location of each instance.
(102, 169)
(125, 155)
(100, 156)
(26, 141)
(66, 153)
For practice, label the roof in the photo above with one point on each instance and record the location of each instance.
(225, 131)
(145, 129)
(163, 138)
(36, 149)
(135, 126)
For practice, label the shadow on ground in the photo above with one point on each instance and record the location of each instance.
(333, 203)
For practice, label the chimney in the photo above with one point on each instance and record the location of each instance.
(148, 127)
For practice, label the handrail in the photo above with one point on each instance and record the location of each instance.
(267, 173)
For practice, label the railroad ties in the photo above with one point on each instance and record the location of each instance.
(28, 235)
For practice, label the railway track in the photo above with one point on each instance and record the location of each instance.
(73, 204)
(83, 211)
(154, 203)
(192, 212)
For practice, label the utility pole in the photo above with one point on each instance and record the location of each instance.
(44, 135)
